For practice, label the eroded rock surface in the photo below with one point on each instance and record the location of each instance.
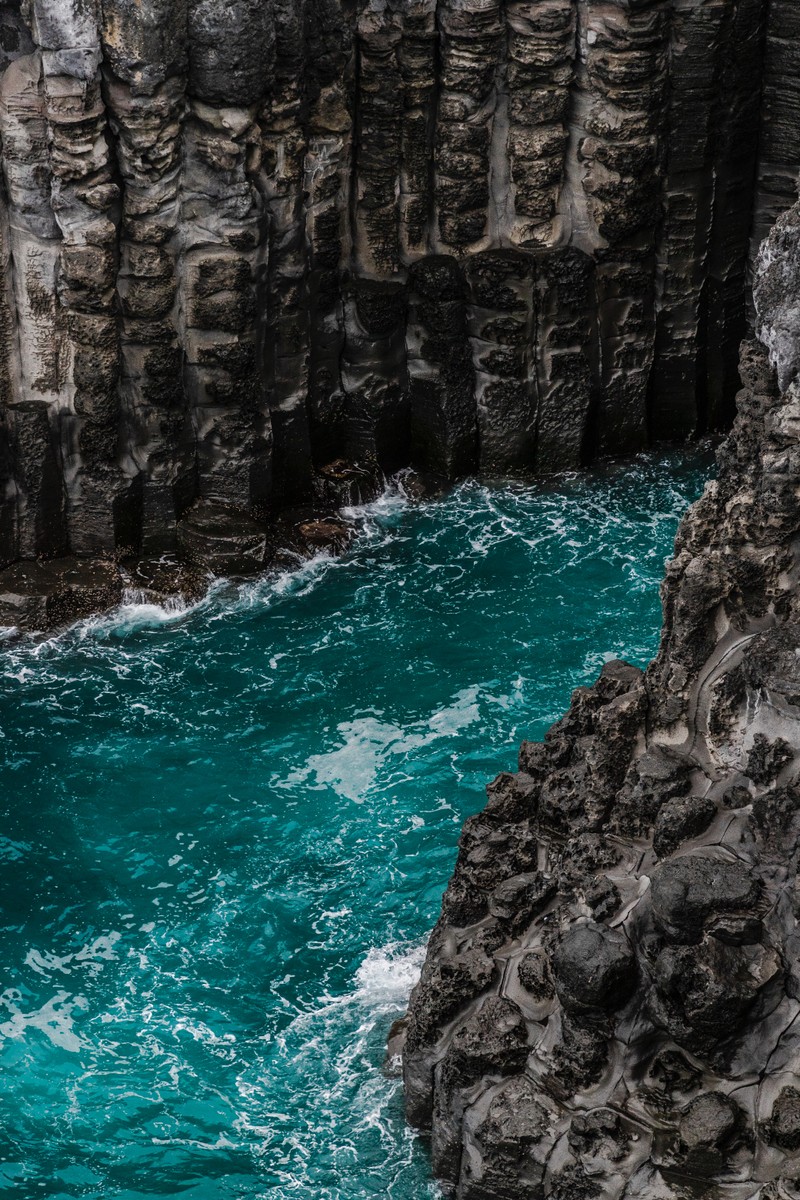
(639, 1017)
(246, 241)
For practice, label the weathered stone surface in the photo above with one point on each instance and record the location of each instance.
(656, 976)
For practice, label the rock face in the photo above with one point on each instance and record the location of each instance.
(620, 938)
(252, 245)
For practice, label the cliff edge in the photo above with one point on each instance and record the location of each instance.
(609, 1005)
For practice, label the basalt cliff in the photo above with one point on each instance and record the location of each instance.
(609, 1006)
(258, 252)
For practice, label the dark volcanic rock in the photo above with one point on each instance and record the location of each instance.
(679, 820)
(783, 1127)
(658, 983)
(45, 595)
(228, 541)
(687, 893)
(595, 969)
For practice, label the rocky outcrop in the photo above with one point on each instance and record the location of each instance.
(609, 1005)
(253, 249)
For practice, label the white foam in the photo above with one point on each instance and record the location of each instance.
(388, 973)
(393, 501)
(90, 956)
(353, 768)
(53, 1019)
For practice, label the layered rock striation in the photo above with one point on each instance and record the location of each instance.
(258, 251)
(610, 1001)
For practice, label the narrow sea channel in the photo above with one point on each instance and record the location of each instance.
(226, 831)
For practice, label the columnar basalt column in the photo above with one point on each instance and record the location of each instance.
(377, 136)
(500, 321)
(779, 103)
(699, 32)
(566, 354)
(15, 42)
(284, 292)
(472, 38)
(39, 357)
(145, 88)
(627, 85)
(374, 379)
(218, 267)
(418, 58)
(735, 165)
(328, 172)
(440, 367)
(540, 47)
(84, 200)
(230, 51)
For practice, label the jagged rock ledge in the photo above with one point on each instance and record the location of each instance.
(609, 1005)
(213, 541)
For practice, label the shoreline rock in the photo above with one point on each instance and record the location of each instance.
(620, 933)
(43, 596)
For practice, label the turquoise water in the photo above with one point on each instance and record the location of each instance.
(226, 832)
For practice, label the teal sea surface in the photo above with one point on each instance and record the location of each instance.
(226, 831)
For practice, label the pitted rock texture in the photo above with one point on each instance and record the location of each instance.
(621, 933)
(250, 246)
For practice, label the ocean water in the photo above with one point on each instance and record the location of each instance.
(226, 830)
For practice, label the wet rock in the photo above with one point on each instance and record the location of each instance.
(324, 534)
(164, 580)
(445, 987)
(42, 596)
(225, 540)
